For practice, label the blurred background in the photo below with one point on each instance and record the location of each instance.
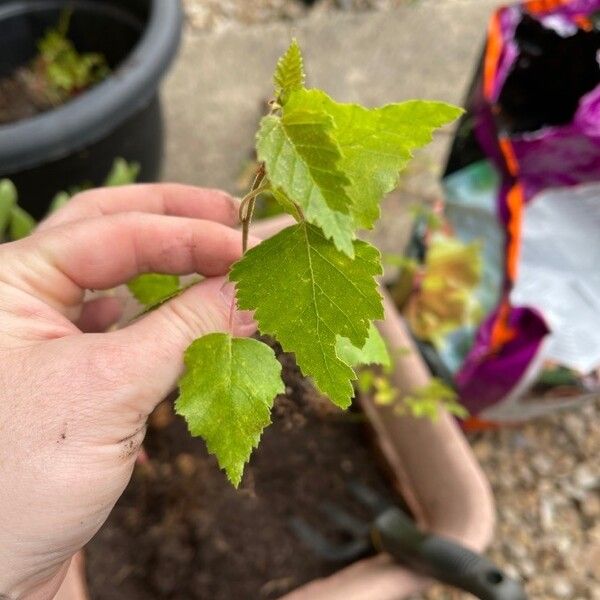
(546, 474)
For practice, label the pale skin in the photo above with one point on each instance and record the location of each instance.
(74, 400)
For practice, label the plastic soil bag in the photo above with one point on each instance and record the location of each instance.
(523, 179)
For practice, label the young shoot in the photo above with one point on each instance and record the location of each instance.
(313, 287)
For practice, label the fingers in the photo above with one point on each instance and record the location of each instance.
(99, 314)
(164, 199)
(58, 264)
(159, 340)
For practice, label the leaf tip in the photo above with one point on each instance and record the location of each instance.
(289, 72)
(234, 476)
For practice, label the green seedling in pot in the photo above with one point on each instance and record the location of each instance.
(15, 223)
(64, 71)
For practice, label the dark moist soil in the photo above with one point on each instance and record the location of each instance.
(181, 532)
(22, 96)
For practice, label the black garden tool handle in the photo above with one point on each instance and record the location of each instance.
(442, 559)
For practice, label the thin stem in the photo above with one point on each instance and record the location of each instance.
(246, 223)
(301, 217)
(248, 198)
(258, 178)
(249, 202)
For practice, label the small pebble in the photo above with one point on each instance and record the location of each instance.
(561, 587)
(527, 568)
(516, 550)
(542, 464)
(512, 571)
(585, 478)
(590, 507)
(575, 427)
(546, 514)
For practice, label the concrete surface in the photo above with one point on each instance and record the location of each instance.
(215, 95)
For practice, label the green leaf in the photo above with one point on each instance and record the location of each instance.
(400, 260)
(301, 159)
(59, 200)
(426, 401)
(21, 223)
(8, 200)
(65, 70)
(376, 144)
(336, 226)
(384, 392)
(306, 293)
(373, 352)
(226, 396)
(289, 73)
(122, 173)
(151, 289)
(284, 204)
(378, 385)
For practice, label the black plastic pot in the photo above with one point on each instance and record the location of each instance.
(121, 117)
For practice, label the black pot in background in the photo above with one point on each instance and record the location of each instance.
(121, 117)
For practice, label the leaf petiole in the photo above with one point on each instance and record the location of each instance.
(249, 202)
(247, 211)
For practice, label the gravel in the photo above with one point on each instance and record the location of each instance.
(546, 481)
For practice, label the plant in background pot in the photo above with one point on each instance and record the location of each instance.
(106, 114)
(57, 73)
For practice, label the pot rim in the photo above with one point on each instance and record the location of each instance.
(90, 117)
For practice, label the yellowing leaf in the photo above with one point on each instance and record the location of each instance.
(306, 293)
(226, 396)
(445, 299)
(453, 260)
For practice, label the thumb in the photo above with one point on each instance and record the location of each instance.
(160, 338)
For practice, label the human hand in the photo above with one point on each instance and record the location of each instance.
(74, 401)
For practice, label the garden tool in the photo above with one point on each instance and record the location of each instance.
(393, 531)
